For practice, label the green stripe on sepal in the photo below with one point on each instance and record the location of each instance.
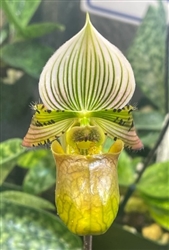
(87, 73)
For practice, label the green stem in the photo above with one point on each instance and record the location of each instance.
(87, 242)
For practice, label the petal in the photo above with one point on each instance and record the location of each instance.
(37, 136)
(118, 124)
(87, 73)
(47, 125)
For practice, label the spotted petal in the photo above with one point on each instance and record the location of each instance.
(118, 124)
(87, 73)
(47, 125)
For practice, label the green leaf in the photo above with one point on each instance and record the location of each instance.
(126, 165)
(158, 209)
(150, 121)
(10, 151)
(154, 181)
(160, 216)
(26, 199)
(28, 228)
(3, 35)
(156, 202)
(126, 170)
(40, 29)
(20, 12)
(41, 176)
(12, 92)
(120, 239)
(147, 55)
(32, 158)
(148, 138)
(28, 56)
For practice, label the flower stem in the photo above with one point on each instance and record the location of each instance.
(87, 242)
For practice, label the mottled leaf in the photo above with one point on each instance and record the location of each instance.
(155, 180)
(26, 199)
(41, 176)
(32, 158)
(28, 228)
(28, 56)
(10, 151)
(147, 55)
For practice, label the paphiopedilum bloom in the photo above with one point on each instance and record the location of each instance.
(87, 81)
(85, 89)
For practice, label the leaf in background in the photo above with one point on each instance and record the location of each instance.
(10, 151)
(126, 170)
(28, 56)
(126, 165)
(149, 125)
(151, 121)
(27, 228)
(120, 239)
(147, 55)
(32, 158)
(154, 181)
(158, 209)
(10, 109)
(20, 11)
(41, 176)
(3, 35)
(40, 29)
(156, 202)
(26, 199)
(160, 215)
(148, 138)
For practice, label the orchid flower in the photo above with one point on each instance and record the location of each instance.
(85, 88)
(87, 82)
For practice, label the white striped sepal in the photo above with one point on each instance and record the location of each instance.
(87, 73)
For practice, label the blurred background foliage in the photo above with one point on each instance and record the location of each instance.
(28, 176)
